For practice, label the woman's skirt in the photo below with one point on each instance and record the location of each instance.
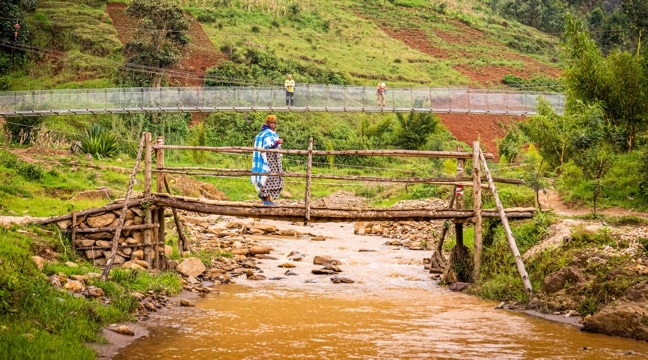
(273, 184)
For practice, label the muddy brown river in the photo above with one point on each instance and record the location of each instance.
(392, 311)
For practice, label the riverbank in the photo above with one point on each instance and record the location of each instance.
(118, 336)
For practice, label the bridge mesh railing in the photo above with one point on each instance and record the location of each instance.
(308, 97)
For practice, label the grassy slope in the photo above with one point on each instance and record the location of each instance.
(81, 48)
(361, 40)
(421, 45)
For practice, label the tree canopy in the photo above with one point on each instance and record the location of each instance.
(615, 82)
(159, 39)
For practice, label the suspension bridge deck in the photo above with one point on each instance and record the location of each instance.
(308, 98)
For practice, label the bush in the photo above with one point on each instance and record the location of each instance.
(426, 191)
(99, 142)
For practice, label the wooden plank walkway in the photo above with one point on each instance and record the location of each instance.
(319, 214)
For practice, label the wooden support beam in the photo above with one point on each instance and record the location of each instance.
(122, 216)
(509, 233)
(477, 203)
(309, 173)
(298, 212)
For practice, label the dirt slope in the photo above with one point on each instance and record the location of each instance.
(200, 54)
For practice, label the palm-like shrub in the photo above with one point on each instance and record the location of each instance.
(99, 142)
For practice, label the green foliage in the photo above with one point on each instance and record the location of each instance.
(39, 319)
(143, 281)
(198, 137)
(251, 65)
(533, 176)
(30, 172)
(426, 191)
(545, 15)
(644, 244)
(582, 237)
(511, 145)
(534, 84)
(413, 130)
(159, 39)
(499, 279)
(551, 132)
(616, 82)
(588, 306)
(99, 142)
(637, 12)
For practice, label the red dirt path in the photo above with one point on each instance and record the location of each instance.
(201, 55)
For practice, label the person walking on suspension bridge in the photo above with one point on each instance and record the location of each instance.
(381, 90)
(289, 85)
(267, 187)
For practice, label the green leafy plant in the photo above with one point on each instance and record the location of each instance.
(99, 142)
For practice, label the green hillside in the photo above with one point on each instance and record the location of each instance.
(76, 44)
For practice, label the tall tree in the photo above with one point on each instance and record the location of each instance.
(551, 132)
(637, 12)
(617, 83)
(159, 39)
(13, 11)
(592, 151)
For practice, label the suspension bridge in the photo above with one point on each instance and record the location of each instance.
(308, 98)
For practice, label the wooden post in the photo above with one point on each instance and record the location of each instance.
(183, 244)
(147, 193)
(122, 216)
(477, 208)
(154, 238)
(309, 173)
(459, 234)
(74, 225)
(147, 165)
(459, 192)
(507, 229)
(159, 156)
(437, 258)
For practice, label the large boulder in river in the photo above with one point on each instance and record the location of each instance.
(626, 317)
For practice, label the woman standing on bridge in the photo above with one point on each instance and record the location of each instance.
(268, 187)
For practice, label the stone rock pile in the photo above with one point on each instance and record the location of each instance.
(413, 235)
(96, 246)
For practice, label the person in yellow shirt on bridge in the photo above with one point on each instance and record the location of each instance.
(289, 84)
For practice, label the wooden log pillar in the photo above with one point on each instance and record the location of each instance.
(74, 229)
(477, 202)
(159, 156)
(507, 229)
(147, 193)
(183, 243)
(459, 234)
(155, 261)
(459, 193)
(309, 174)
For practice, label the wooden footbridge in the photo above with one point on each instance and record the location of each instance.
(153, 203)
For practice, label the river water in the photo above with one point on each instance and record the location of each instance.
(393, 310)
